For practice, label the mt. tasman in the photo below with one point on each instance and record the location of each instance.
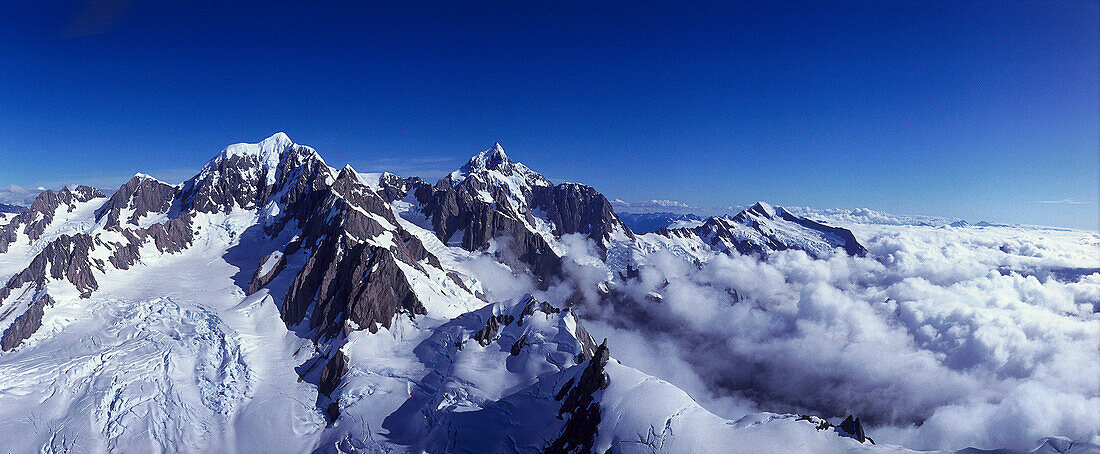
(272, 303)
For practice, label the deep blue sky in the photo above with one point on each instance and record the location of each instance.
(966, 109)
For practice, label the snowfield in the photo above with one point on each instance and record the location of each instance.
(939, 337)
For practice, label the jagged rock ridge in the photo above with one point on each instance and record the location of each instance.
(495, 203)
(345, 266)
(763, 228)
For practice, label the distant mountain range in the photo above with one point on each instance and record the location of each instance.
(4, 208)
(652, 222)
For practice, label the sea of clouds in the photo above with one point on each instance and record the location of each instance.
(941, 338)
(18, 195)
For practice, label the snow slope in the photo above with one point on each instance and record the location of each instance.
(275, 304)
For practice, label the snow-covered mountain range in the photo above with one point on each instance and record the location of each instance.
(272, 303)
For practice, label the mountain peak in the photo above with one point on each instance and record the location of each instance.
(267, 153)
(267, 150)
(762, 209)
(494, 159)
(143, 176)
(278, 137)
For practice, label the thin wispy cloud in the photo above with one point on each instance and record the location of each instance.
(1064, 202)
(426, 168)
(646, 206)
(19, 195)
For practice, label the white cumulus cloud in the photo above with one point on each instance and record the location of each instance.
(942, 338)
(18, 195)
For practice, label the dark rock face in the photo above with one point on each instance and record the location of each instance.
(517, 347)
(460, 210)
(275, 262)
(576, 208)
(65, 258)
(393, 187)
(473, 208)
(588, 344)
(851, 427)
(491, 331)
(819, 423)
(224, 184)
(142, 195)
(334, 370)
(716, 230)
(346, 277)
(579, 433)
(248, 181)
(533, 306)
(47, 204)
(302, 183)
(173, 235)
(362, 283)
(41, 213)
(27, 324)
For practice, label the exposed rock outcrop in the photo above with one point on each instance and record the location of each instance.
(493, 203)
(223, 184)
(28, 323)
(851, 427)
(66, 257)
(461, 216)
(581, 408)
(141, 196)
(331, 376)
(491, 331)
(33, 221)
(361, 282)
(517, 347)
(170, 236)
(576, 208)
(269, 268)
(250, 176)
(534, 305)
(357, 269)
(334, 370)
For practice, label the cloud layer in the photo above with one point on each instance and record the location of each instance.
(18, 195)
(941, 338)
(652, 206)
